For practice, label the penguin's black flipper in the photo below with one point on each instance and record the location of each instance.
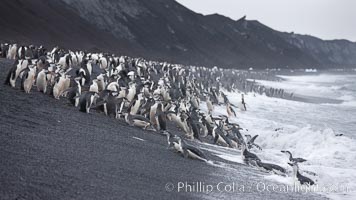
(216, 138)
(253, 139)
(257, 146)
(10, 75)
(24, 77)
(197, 151)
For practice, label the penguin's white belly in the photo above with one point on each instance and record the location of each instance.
(101, 85)
(41, 82)
(89, 67)
(140, 123)
(234, 144)
(135, 108)
(222, 141)
(205, 131)
(153, 113)
(28, 83)
(112, 87)
(130, 95)
(210, 106)
(94, 88)
(177, 147)
(194, 156)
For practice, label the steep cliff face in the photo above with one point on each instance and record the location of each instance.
(165, 30)
(109, 15)
(52, 22)
(326, 52)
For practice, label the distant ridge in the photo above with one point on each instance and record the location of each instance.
(166, 30)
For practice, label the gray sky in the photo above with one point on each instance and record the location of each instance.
(327, 19)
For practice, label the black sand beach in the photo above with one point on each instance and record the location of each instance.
(50, 150)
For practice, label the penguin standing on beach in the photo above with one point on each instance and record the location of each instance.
(41, 81)
(4, 49)
(101, 81)
(84, 73)
(16, 70)
(74, 93)
(60, 86)
(13, 73)
(11, 54)
(86, 100)
(94, 86)
(152, 114)
(209, 104)
(65, 62)
(161, 118)
(28, 79)
(113, 105)
(42, 63)
(136, 103)
(22, 52)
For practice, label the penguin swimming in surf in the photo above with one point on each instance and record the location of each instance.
(251, 142)
(248, 157)
(294, 160)
(271, 167)
(303, 180)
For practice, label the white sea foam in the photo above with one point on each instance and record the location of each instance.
(307, 130)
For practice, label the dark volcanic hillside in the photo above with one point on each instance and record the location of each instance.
(165, 30)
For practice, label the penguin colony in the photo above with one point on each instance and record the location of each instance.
(147, 94)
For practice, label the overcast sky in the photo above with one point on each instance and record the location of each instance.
(327, 19)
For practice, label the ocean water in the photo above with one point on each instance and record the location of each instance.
(308, 130)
